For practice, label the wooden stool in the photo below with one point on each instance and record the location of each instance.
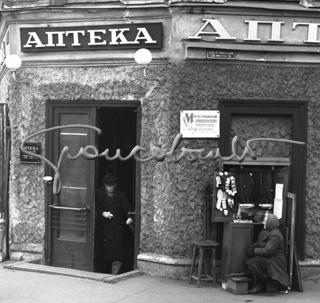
(204, 248)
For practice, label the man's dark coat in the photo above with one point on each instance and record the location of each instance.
(112, 231)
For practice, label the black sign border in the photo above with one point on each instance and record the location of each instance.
(158, 36)
(33, 160)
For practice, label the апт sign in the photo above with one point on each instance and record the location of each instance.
(200, 123)
(228, 28)
(110, 37)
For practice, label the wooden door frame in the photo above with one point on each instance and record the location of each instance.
(49, 154)
(298, 111)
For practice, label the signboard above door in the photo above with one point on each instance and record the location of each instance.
(102, 37)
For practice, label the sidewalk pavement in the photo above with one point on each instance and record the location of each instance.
(23, 282)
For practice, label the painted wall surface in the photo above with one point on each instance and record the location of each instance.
(172, 194)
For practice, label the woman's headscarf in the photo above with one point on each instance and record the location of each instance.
(272, 222)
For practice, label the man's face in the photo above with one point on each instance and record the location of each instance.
(110, 187)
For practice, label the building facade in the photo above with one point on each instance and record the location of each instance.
(254, 62)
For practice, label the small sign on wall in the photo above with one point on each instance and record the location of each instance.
(34, 148)
(200, 123)
(220, 54)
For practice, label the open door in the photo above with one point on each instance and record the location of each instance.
(70, 215)
(73, 235)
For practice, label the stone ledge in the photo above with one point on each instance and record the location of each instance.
(309, 262)
(35, 266)
(310, 270)
(164, 266)
(156, 258)
(23, 256)
(30, 248)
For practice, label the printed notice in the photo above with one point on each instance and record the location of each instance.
(278, 202)
(200, 123)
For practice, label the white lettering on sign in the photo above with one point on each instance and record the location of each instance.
(34, 39)
(145, 36)
(32, 148)
(312, 31)
(75, 35)
(50, 38)
(217, 29)
(217, 26)
(141, 35)
(95, 37)
(253, 30)
(119, 36)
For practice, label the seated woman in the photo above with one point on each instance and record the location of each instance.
(266, 257)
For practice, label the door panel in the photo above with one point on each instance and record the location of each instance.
(71, 219)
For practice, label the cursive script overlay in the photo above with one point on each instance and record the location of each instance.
(90, 152)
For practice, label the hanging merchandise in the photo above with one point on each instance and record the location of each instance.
(226, 191)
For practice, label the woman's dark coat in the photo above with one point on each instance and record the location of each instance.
(112, 231)
(270, 246)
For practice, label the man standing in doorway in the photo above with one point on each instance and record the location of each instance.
(114, 214)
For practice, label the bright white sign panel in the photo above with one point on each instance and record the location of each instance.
(200, 123)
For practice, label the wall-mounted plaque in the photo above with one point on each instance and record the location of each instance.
(220, 54)
(200, 123)
(34, 148)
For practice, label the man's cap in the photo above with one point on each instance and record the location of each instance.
(109, 178)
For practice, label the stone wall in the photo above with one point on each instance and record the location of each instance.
(27, 207)
(172, 194)
(199, 86)
(247, 127)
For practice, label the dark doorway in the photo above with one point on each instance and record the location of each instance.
(119, 131)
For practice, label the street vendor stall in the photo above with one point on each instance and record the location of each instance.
(241, 195)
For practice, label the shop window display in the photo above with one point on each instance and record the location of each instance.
(245, 194)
